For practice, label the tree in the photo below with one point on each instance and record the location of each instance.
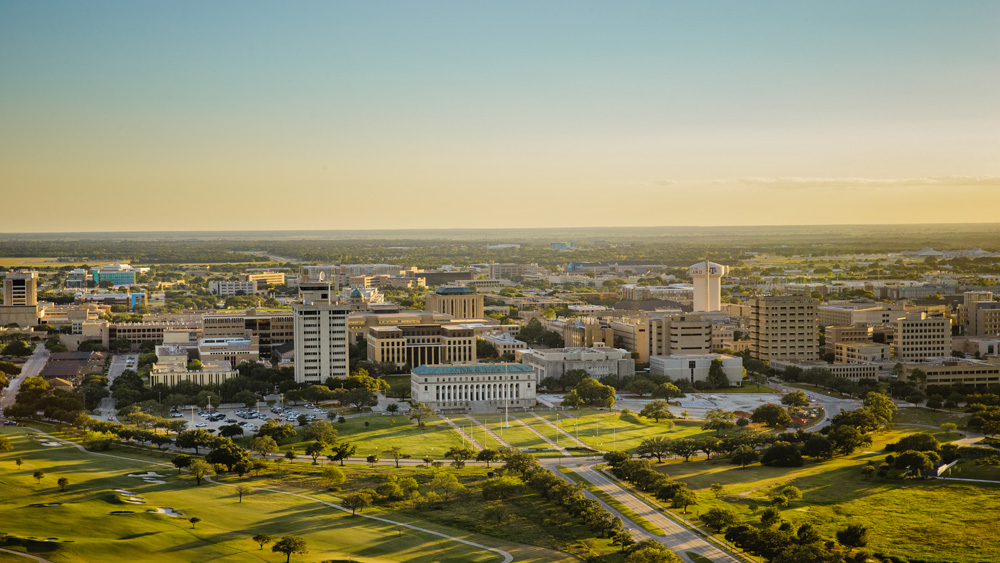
(289, 545)
(200, 468)
(316, 449)
(397, 454)
(881, 406)
(717, 378)
(38, 475)
(197, 439)
(719, 518)
(651, 551)
(242, 490)
(782, 454)
(420, 411)
(656, 410)
(488, 455)
(372, 459)
(262, 539)
(276, 431)
(717, 488)
(657, 446)
(181, 461)
(194, 521)
(230, 430)
(228, 454)
(818, 446)
(332, 477)
(915, 461)
(502, 488)
(360, 398)
(5, 444)
(668, 391)
(343, 451)
(684, 447)
(949, 427)
(718, 420)
(446, 485)
(263, 445)
(62, 482)
(357, 501)
(745, 455)
(641, 386)
(459, 455)
(853, 536)
(847, 439)
(595, 393)
(392, 408)
(795, 399)
(771, 415)
(684, 498)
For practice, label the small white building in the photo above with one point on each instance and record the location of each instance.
(693, 368)
(503, 342)
(225, 288)
(480, 388)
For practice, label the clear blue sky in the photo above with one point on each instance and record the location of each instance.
(443, 113)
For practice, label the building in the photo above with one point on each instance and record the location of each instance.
(459, 302)
(632, 334)
(984, 318)
(503, 342)
(226, 288)
(116, 274)
(135, 333)
(679, 334)
(232, 350)
(320, 335)
(695, 367)
(952, 371)
(854, 372)
(77, 278)
(920, 336)
(580, 332)
(264, 278)
(861, 312)
(417, 345)
(20, 289)
(509, 271)
(969, 299)
(856, 334)
(469, 388)
(707, 278)
(598, 361)
(269, 329)
(861, 353)
(783, 327)
(171, 368)
(682, 293)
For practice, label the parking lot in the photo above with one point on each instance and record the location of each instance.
(250, 419)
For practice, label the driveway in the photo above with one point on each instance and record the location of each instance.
(31, 368)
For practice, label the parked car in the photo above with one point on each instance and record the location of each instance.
(200, 425)
(10, 423)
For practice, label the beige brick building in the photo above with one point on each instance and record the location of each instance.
(459, 302)
(783, 327)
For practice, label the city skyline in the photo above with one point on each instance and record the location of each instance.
(231, 116)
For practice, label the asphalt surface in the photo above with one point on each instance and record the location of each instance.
(32, 367)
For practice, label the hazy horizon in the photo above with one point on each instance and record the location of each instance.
(188, 116)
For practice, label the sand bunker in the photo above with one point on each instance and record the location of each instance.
(154, 481)
(164, 510)
(147, 475)
(134, 500)
(51, 444)
(123, 491)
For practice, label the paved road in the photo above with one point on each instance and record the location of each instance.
(678, 538)
(119, 363)
(31, 368)
(831, 405)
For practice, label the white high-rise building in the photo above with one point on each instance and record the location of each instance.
(320, 335)
(707, 278)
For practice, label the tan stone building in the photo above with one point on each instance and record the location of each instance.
(459, 302)
(783, 327)
(920, 336)
(417, 345)
(171, 369)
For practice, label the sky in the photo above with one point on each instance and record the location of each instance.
(223, 115)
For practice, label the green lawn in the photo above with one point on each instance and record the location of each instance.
(384, 432)
(929, 417)
(608, 430)
(926, 519)
(84, 529)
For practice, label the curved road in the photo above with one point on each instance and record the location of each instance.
(31, 368)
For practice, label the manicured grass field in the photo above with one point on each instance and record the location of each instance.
(926, 519)
(516, 435)
(81, 527)
(930, 417)
(385, 432)
(608, 430)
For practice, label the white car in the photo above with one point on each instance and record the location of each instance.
(200, 425)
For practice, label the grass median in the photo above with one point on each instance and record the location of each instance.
(610, 501)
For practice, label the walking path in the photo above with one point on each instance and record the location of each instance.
(564, 432)
(678, 538)
(492, 434)
(553, 445)
(463, 433)
(25, 555)
(507, 557)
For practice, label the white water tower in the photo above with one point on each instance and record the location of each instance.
(707, 278)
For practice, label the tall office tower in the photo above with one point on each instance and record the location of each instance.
(919, 337)
(707, 285)
(320, 335)
(459, 302)
(783, 327)
(20, 289)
